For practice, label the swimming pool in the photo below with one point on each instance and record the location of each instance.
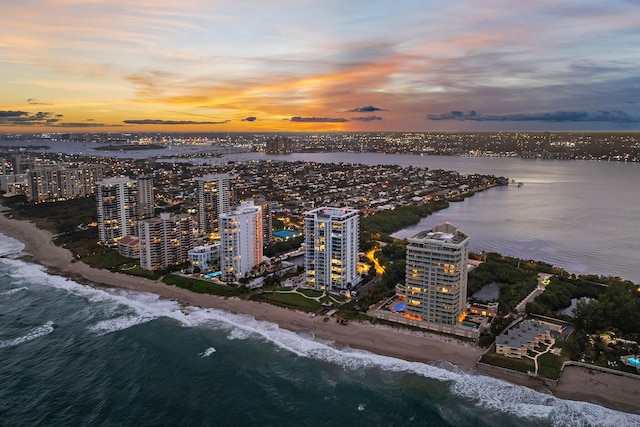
(470, 325)
(633, 361)
(285, 234)
(212, 275)
(399, 306)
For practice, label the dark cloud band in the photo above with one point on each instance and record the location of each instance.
(367, 109)
(23, 118)
(366, 118)
(555, 116)
(171, 122)
(319, 119)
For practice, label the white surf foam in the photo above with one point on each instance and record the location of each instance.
(14, 290)
(484, 392)
(10, 246)
(38, 332)
(207, 352)
(107, 326)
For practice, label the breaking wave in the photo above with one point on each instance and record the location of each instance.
(14, 290)
(38, 332)
(207, 352)
(10, 246)
(125, 309)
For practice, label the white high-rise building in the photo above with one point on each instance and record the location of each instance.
(52, 182)
(331, 248)
(215, 196)
(436, 279)
(165, 241)
(267, 221)
(117, 200)
(240, 241)
(145, 196)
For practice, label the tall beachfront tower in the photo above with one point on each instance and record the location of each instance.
(436, 279)
(165, 241)
(117, 200)
(215, 195)
(240, 241)
(145, 196)
(52, 182)
(331, 248)
(267, 221)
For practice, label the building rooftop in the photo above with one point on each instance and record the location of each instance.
(329, 212)
(522, 333)
(444, 237)
(115, 181)
(129, 240)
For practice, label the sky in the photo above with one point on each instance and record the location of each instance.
(318, 65)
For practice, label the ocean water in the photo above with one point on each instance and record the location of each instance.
(71, 354)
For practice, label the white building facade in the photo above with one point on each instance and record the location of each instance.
(204, 257)
(331, 248)
(165, 241)
(146, 198)
(436, 275)
(117, 200)
(215, 195)
(240, 241)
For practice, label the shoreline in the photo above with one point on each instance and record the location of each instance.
(579, 384)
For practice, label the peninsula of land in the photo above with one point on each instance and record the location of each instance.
(576, 383)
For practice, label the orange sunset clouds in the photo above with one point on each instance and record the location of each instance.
(201, 65)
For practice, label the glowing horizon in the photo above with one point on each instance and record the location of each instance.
(201, 66)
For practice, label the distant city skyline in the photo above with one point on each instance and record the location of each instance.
(285, 66)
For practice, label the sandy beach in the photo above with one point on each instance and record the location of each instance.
(612, 391)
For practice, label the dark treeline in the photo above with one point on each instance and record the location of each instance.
(517, 278)
(390, 221)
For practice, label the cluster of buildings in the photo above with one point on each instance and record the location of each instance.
(125, 219)
(237, 232)
(48, 182)
(278, 145)
(224, 235)
(220, 234)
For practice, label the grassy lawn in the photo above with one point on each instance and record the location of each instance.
(549, 365)
(311, 293)
(139, 271)
(205, 287)
(520, 365)
(294, 301)
(80, 242)
(109, 259)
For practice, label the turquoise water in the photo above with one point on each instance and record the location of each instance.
(212, 275)
(285, 234)
(399, 306)
(633, 361)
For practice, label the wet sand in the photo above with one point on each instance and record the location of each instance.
(576, 383)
